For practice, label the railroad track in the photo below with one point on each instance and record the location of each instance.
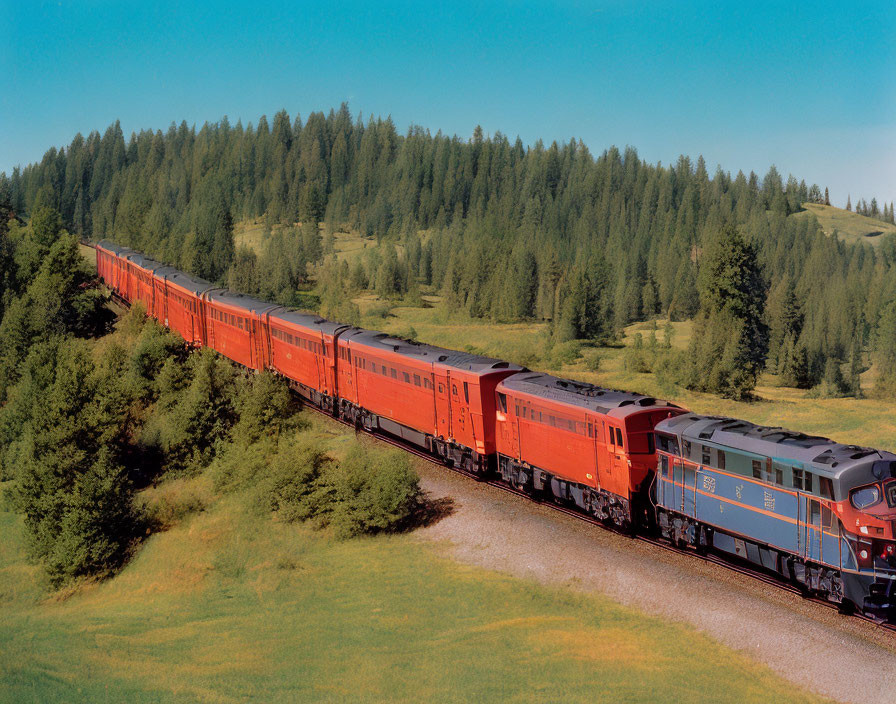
(707, 557)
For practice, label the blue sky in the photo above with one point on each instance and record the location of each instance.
(810, 87)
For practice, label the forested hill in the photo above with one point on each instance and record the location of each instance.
(505, 231)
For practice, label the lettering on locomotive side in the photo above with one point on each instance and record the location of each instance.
(769, 501)
(709, 484)
(739, 490)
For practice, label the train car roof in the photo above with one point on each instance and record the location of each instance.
(191, 283)
(240, 300)
(826, 457)
(582, 394)
(429, 354)
(143, 261)
(308, 320)
(116, 249)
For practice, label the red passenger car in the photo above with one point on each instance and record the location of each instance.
(112, 266)
(578, 442)
(184, 307)
(233, 326)
(302, 347)
(437, 399)
(141, 272)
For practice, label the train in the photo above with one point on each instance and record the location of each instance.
(816, 513)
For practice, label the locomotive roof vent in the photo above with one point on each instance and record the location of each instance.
(627, 402)
(500, 365)
(647, 401)
(443, 357)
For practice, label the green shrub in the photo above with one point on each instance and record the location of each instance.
(294, 485)
(170, 504)
(593, 361)
(264, 405)
(373, 491)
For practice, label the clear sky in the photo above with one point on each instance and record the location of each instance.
(810, 87)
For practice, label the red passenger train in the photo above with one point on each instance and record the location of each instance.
(565, 441)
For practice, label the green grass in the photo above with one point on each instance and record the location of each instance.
(851, 227)
(232, 606)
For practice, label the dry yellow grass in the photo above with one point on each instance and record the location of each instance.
(850, 226)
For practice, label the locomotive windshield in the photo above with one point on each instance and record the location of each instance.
(891, 494)
(865, 497)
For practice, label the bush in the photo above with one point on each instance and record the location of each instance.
(592, 361)
(295, 486)
(565, 353)
(264, 405)
(168, 505)
(373, 491)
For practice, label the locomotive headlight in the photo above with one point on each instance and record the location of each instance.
(864, 530)
(864, 554)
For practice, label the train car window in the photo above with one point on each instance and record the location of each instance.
(807, 482)
(664, 465)
(454, 389)
(757, 469)
(797, 478)
(720, 454)
(779, 476)
(441, 389)
(502, 404)
(705, 453)
(590, 430)
(826, 487)
(466, 393)
(407, 377)
(829, 520)
(348, 355)
(383, 370)
(394, 372)
(417, 381)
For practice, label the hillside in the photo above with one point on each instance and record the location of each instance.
(849, 226)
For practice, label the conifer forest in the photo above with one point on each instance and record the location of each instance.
(506, 232)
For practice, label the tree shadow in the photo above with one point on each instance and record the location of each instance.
(430, 511)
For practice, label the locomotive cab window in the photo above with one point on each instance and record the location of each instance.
(466, 393)
(502, 402)
(619, 438)
(705, 455)
(865, 497)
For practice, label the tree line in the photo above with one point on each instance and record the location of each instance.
(873, 210)
(503, 231)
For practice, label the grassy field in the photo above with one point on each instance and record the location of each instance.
(233, 606)
(850, 226)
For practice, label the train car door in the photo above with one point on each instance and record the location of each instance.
(459, 402)
(443, 403)
(594, 462)
(507, 423)
(689, 490)
(810, 527)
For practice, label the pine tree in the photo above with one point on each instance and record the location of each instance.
(730, 337)
(827, 198)
(848, 202)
